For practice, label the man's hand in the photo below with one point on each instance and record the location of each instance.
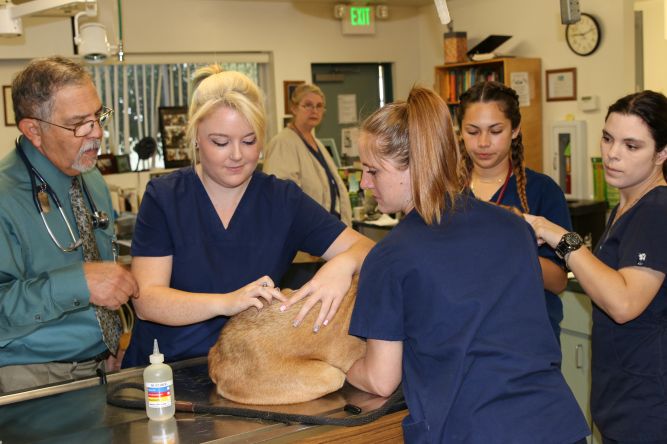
(112, 363)
(110, 285)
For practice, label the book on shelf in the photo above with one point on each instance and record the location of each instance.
(456, 81)
(484, 56)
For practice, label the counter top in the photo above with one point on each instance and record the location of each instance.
(78, 412)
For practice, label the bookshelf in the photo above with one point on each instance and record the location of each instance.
(453, 79)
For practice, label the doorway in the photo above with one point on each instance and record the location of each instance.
(353, 91)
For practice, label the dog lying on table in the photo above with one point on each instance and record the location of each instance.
(260, 358)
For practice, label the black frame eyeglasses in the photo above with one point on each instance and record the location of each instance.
(85, 128)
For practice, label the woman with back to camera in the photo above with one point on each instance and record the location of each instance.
(450, 301)
(211, 240)
(494, 159)
(625, 276)
(296, 154)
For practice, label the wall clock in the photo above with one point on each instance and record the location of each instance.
(583, 37)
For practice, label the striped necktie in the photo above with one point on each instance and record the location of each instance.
(108, 319)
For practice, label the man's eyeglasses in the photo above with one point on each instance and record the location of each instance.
(312, 107)
(85, 128)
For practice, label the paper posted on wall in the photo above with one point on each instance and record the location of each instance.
(520, 83)
(348, 137)
(347, 108)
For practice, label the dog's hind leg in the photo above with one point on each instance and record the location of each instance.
(293, 382)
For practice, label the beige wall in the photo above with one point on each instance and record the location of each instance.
(300, 33)
(655, 44)
(297, 34)
(537, 31)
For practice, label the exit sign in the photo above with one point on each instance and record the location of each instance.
(359, 20)
(360, 16)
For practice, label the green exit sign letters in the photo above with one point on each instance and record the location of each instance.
(360, 16)
(359, 20)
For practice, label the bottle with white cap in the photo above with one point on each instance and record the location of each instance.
(159, 387)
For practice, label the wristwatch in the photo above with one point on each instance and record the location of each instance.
(568, 243)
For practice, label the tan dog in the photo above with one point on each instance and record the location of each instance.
(260, 358)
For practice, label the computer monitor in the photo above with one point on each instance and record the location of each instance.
(330, 145)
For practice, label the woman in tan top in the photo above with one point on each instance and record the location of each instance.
(295, 154)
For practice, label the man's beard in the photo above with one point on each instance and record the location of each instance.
(82, 163)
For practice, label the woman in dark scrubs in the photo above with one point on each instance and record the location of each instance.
(451, 300)
(490, 118)
(212, 240)
(625, 276)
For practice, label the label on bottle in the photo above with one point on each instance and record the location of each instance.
(159, 394)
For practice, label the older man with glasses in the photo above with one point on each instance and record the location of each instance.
(58, 299)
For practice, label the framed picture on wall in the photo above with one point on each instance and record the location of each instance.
(106, 163)
(123, 163)
(173, 122)
(10, 119)
(561, 84)
(288, 88)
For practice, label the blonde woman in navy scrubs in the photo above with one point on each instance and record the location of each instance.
(212, 240)
(451, 300)
(625, 276)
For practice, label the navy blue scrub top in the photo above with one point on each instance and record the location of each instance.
(480, 361)
(629, 371)
(273, 220)
(546, 199)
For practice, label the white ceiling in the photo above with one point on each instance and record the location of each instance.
(414, 3)
(373, 2)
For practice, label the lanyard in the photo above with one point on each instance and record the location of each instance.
(504, 188)
(333, 187)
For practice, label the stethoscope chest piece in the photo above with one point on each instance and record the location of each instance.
(43, 194)
(43, 198)
(100, 219)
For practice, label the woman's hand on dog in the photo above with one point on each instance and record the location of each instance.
(329, 286)
(332, 281)
(251, 296)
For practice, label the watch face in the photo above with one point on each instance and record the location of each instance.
(583, 37)
(569, 242)
(572, 240)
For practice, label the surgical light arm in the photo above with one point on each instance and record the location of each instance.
(11, 14)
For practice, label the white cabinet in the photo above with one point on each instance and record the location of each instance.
(568, 163)
(575, 339)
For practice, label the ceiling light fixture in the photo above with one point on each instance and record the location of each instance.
(339, 10)
(443, 11)
(90, 38)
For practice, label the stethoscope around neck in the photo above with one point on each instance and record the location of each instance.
(100, 218)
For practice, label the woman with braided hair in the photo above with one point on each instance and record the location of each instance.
(494, 168)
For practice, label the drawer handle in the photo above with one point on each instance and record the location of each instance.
(579, 356)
